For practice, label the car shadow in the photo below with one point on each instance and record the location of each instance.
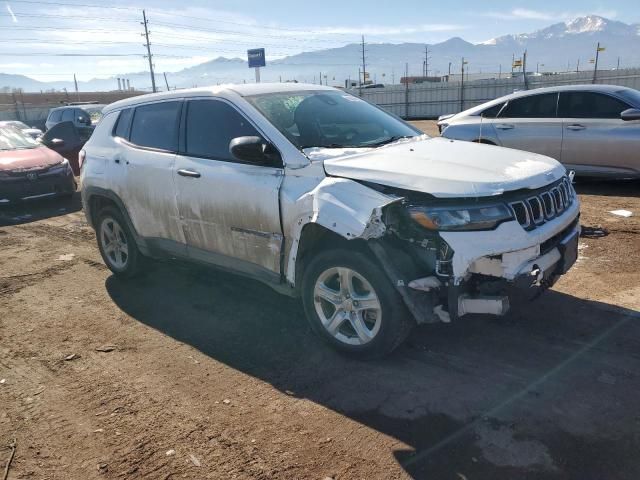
(471, 399)
(612, 188)
(34, 210)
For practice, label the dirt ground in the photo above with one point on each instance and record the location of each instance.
(192, 373)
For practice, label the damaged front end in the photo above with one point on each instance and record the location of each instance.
(448, 258)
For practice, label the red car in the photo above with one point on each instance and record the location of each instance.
(29, 170)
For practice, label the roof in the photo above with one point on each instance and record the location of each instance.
(240, 89)
(536, 91)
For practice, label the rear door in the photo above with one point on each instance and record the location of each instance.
(142, 169)
(596, 140)
(229, 209)
(530, 123)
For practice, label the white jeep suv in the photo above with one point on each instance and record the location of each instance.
(325, 196)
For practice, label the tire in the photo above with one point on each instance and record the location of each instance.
(125, 259)
(351, 327)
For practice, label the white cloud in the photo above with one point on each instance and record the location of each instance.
(528, 14)
(395, 30)
(13, 17)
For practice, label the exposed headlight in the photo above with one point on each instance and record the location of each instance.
(61, 167)
(447, 218)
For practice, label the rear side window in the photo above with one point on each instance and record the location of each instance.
(492, 112)
(534, 106)
(156, 126)
(67, 115)
(211, 125)
(124, 122)
(55, 116)
(590, 105)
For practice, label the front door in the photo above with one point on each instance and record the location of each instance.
(596, 140)
(530, 123)
(229, 209)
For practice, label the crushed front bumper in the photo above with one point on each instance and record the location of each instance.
(485, 265)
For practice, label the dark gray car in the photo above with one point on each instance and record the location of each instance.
(592, 129)
(82, 116)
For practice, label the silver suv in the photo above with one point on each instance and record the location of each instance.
(322, 195)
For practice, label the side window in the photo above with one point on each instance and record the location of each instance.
(210, 127)
(55, 116)
(156, 126)
(67, 115)
(492, 112)
(124, 122)
(533, 106)
(82, 117)
(590, 105)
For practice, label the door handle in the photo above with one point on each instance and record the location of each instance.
(505, 126)
(575, 126)
(188, 173)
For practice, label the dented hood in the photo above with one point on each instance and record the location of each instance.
(447, 168)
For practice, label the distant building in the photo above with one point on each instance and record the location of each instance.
(412, 80)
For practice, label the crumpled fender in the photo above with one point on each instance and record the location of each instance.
(346, 207)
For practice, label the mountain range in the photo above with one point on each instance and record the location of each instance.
(559, 47)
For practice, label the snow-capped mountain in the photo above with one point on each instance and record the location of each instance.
(559, 47)
(589, 26)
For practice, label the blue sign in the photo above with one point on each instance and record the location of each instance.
(256, 57)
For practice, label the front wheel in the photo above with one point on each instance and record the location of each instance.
(352, 305)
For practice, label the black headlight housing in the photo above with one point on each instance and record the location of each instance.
(460, 218)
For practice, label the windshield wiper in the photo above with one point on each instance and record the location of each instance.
(386, 141)
(333, 145)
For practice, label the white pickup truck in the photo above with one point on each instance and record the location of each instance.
(322, 195)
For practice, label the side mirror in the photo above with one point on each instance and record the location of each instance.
(630, 114)
(253, 150)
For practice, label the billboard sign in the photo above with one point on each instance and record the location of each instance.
(256, 58)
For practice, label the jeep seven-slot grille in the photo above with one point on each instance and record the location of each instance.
(533, 211)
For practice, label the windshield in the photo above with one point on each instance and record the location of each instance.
(95, 113)
(631, 96)
(331, 119)
(13, 139)
(16, 124)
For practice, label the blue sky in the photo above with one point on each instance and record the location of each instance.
(192, 31)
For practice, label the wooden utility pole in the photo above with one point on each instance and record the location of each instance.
(364, 65)
(595, 66)
(406, 90)
(462, 85)
(148, 45)
(524, 70)
(426, 60)
(75, 83)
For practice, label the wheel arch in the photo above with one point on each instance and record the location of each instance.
(339, 210)
(95, 199)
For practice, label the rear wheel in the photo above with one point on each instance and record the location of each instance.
(116, 243)
(352, 305)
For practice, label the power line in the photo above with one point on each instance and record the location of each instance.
(234, 32)
(43, 54)
(158, 12)
(23, 15)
